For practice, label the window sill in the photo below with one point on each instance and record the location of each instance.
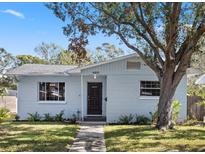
(149, 97)
(52, 102)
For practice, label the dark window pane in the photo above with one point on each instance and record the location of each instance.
(52, 91)
(42, 91)
(61, 91)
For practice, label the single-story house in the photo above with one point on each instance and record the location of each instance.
(109, 89)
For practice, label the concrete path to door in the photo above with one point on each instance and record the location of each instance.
(90, 138)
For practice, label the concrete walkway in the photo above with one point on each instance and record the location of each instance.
(90, 138)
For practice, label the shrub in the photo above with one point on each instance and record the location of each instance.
(142, 120)
(34, 117)
(126, 119)
(17, 117)
(176, 106)
(47, 117)
(59, 116)
(4, 114)
(73, 119)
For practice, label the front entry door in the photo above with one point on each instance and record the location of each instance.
(94, 98)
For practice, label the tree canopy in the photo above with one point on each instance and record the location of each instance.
(29, 59)
(105, 52)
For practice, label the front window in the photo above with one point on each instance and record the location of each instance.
(149, 88)
(52, 91)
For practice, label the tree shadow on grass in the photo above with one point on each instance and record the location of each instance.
(30, 138)
(142, 138)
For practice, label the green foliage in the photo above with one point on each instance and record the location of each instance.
(48, 117)
(105, 52)
(154, 117)
(196, 90)
(34, 117)
(7, 61)
(192, 122)
(126, 119)
(59, 116)
(48, 51)
(176, 106)
(69, 58)
(17, 117)
(29, 59)
(2, 91)
(4, 114)
(142, 120)
(73, 119)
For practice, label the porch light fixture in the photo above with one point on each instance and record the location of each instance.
(95, 74)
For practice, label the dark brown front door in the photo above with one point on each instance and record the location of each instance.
(94, 98)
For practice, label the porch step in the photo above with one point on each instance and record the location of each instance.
(94, 118)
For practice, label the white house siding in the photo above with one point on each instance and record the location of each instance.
(28, 96)
(123, 90)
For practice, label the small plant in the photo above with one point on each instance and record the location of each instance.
(4, 114)
(176, 106)
(34, 117)
(47, 117)
(73, 119)
(154, 117)
(17, 117)
(59, 116)
(142, 120)
(126, 119)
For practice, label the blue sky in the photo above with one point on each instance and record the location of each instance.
(26, 25)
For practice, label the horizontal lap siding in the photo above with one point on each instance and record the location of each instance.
(28, 96)
(123, 98)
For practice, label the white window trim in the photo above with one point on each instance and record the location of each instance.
(49, 101)
(147, 97)
(132, 70)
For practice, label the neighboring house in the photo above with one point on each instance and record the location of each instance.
(108, 89)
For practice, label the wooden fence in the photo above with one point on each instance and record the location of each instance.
(9, 102)
(194, 110)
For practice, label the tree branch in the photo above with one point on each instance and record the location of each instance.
(147, 28)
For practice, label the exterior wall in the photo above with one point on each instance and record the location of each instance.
(123, 90)
(123, 95)
(28, 96)
(120, 86)
(90, 78)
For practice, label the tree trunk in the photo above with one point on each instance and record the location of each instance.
(167, 89)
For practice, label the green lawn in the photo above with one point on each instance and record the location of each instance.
(147, 138)
(41, 136)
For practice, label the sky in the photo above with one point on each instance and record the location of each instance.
(25, 25)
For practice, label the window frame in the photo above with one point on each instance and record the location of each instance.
(51, 101)
(147, 96)
(133, 69)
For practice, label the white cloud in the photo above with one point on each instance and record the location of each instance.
(14, 13)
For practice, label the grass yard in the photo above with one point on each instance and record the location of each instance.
(146, 138)
(41, 136)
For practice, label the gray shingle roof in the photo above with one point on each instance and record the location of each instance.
(41, 69)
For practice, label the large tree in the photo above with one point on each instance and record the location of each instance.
(165, 35)
(48, 52)
(7, 61)
(29, 59)
(69, 58)
(105, 52)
